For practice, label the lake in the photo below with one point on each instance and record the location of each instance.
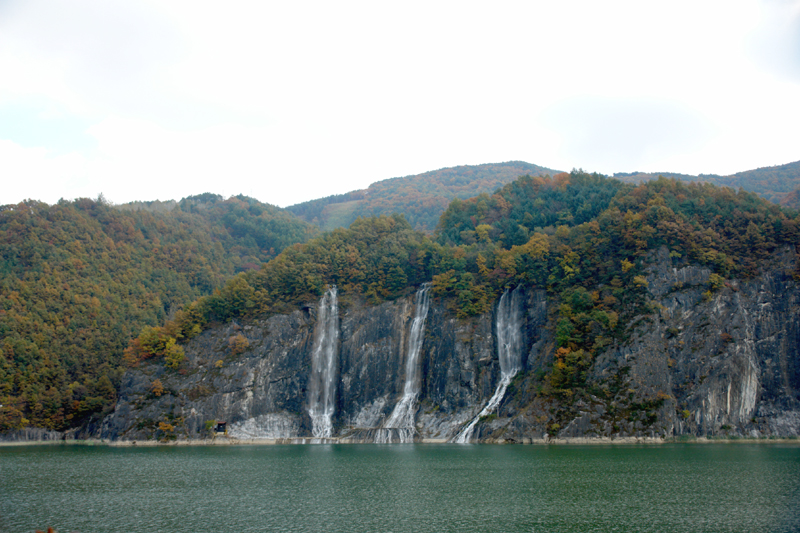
(737, 487)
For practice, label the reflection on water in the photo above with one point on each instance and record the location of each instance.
(399, 488)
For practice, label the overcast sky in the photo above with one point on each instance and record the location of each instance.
(290, 101)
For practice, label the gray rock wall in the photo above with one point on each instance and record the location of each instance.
(732, 361)
(725, 365)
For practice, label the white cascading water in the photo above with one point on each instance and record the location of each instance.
(509, 351)
(401, 421)
(322, 385)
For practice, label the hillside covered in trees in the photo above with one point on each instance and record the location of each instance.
(424, 197)
(421, 198)
(583, 238)
(79, 279)
(779, 184)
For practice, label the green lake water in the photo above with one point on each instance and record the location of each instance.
(402, 488)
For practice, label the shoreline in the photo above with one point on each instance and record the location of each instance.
(566, 441)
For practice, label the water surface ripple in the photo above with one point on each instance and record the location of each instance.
(402, 488)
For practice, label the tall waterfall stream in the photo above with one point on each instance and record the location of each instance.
(322, 384)
(509, 351)
(401, 421)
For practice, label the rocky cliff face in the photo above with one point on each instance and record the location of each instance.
(729, 360)
(723, 363)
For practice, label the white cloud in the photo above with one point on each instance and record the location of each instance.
(775, 43)
(599, 133)
(293, 101)
(36, 174)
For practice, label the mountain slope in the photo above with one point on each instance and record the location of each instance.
(421, 198)
(778, 184)
(79, 279)
(424, 197)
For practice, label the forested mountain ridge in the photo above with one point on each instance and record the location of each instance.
(779, 184)
(420, 198)
(424, 197)
(79, 279)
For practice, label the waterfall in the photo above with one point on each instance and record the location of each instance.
(509, 351)
(401, 421)
(322, 383)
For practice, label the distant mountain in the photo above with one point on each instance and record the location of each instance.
(421, 198)
(792, 200)
(779, 184)
(772, 183)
